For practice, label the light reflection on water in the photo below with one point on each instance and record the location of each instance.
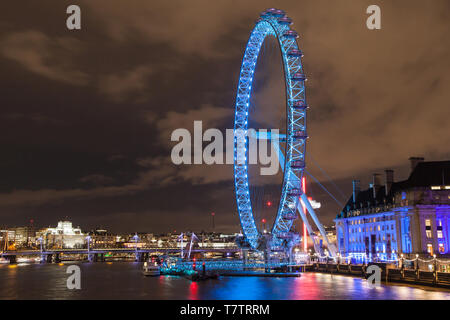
(123, 280)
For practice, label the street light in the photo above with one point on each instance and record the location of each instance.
(136, 238)
(88, 239)
(40, 241)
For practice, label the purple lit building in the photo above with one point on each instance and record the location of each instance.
(407, 217)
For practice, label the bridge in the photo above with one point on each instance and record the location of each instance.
(94, 255)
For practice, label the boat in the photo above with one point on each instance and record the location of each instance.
(151, 270)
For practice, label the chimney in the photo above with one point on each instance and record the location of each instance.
(389, 180)
(376, 184)
(356, 189)
(415, 161)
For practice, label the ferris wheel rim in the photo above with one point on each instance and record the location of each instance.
(270, 24)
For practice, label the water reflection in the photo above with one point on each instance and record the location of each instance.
(122, 280)
(193, 291)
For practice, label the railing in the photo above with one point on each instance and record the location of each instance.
(432, 264)
(236, 265)
(421, 271)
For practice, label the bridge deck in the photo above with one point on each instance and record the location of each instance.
(114, 250)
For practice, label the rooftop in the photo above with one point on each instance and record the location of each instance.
(424, 175)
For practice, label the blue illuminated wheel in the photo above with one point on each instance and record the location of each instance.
(272, 22)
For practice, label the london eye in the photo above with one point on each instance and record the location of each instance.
(289, 145)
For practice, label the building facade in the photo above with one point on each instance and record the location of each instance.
(18, 238)
(64, 236)
(408, 218)
(101, 239)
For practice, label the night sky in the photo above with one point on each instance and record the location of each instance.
(86, 116)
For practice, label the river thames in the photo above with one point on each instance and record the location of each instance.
(124, 280)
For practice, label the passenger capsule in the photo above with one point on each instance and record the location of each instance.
(300, 105)
(290, 34)
(300, 134)
(278, 13)
(297, 164)
(295, 53)
(285, 20)
(289, 216)
(298, 77)
(295, 192)
(284, 235)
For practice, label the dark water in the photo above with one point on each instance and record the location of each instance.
(123, 280)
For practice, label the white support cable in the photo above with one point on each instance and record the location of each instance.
(307, 204)
(326, 175)
(323, 187)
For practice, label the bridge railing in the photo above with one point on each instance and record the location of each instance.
(221, 265)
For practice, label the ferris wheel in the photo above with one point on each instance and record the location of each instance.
(291, 155)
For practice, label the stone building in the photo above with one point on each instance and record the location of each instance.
(407, 217)
(64, 236)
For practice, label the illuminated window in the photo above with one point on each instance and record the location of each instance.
(429, 248)
(441, 248)
(428, 228)
(439, 229)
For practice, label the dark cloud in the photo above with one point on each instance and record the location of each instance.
(87, 115)
(130, 86)
(44, 56)
(97, 179)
